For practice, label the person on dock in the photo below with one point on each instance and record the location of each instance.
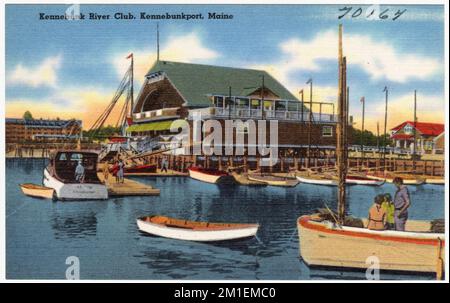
(120, 172)
(377, 215)
(79, 172)
(401, 203)
(106, 172)
(164, 164)
(389, 208)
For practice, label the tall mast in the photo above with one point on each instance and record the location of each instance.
(131, 88)
(378, 138)
(310, 120)
(157, 42)
(385, 125)
(363, 101)
(414, 130)
(340, 132)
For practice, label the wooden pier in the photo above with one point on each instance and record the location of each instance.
(128, 188)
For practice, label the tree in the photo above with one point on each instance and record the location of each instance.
(369, 138)
(27, 115)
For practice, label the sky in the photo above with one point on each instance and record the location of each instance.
(72, 68)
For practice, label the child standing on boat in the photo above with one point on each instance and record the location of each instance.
(377, 215)
(389, 208)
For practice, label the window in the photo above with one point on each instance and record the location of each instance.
(218, 101)
(242, 102)
(76, 157)
(408, 129)
(229, 102)
(327, 131)
(255, 104)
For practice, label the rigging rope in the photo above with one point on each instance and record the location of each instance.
(125, 84)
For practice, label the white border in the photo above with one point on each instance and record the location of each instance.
(2, 129)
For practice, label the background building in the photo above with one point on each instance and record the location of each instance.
(40, 130)
(430, 136)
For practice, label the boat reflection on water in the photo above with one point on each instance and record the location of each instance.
(69, 221)
(223, 260)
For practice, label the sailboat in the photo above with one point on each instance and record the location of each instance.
(330, 240)
(331, 180)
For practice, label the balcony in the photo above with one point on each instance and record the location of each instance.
(246, 113)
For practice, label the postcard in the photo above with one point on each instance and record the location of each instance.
(233, 142)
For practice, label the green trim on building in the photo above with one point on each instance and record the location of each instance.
(155, 126)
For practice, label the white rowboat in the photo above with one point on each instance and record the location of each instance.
(195, 231)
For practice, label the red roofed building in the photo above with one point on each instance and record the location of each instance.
(427, 133)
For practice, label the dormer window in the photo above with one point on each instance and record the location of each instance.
(408, 129)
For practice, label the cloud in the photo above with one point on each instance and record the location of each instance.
(430, 108)
(85, 103)
(44, 74)
(380, 60)
(186, 48)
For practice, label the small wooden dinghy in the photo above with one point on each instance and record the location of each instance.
(243, 179)
(407, 179)
(273, 180)
(208, 175)
(194, 230)
(418, 249)
(37, 191)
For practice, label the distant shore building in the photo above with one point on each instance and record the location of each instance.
(173, 90)
(40, 130)
(430, 136)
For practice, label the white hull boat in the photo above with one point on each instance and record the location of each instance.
(350, 180)
(317, 181)
(195, 231)
(60, 176)
(75, 191)
(357, 180)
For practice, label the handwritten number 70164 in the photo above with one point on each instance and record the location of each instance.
(370, 13)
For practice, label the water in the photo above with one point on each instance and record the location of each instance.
(40, 234)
